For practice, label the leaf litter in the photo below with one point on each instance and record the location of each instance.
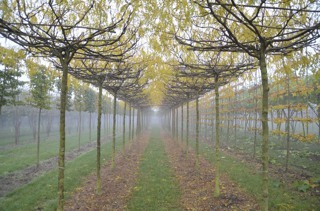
(117, 183)
(197, 184)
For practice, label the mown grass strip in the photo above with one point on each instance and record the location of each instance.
(157, 189)
(281, 197)
(23, 156)
(41, 194)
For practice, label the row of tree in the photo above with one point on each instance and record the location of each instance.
(225, 39)
(91, 40)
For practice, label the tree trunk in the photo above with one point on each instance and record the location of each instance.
(187, 133)
(138, 122)
(255, 123)
(205, 125)
(235, 118)
(302, 124)
(38, 138)
(265, 127)
(114, 131)
(182, 123)
(173, 123)
(130, 122)
(218, 158)
(177, 123)
(124, 128)
(17, 123)
(288, 123)
(132, 132)
(197, 131)
(90, 126)
(228, 130)
(61, 160)
(318, 115)
(79, 132)
(99, 140)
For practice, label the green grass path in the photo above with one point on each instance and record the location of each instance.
(157, 188)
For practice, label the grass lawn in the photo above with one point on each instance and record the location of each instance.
(157, 189)
(42, 192)
(26, 155)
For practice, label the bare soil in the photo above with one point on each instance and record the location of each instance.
(117, 183)
(197, 184)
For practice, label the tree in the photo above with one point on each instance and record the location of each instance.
(124, 127)
(40, 85)
(253, 29)
(10, 72)
(79, 105)
(90, 105)
(69, 103)
(63, 32)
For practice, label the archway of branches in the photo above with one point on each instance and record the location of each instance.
(215, 46)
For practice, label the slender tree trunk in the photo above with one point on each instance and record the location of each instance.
(130, 122)
(177, 124)
(288, 122)
(187, 132)
(228, 130)
(108, 121)
(138, 122)
(90, 127)
(218, 157)
(124, 128)
(307, 116)
(16, 126)
(132, 132)
(182, 122)
(114, 131)
(235, 118)
(255, 123)
(197, 131)
(99, 140)
(61, 160)
(104, 123)
(38, 138)
(265, 127)
(318, 114)
(205, 125)
(173, 123)
(79, 132)
(302, 124)
(169, 120)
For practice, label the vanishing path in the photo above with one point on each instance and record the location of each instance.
(157, 174)
(157, 188)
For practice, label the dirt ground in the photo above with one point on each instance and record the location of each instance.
(197, 185)
(117, 183)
